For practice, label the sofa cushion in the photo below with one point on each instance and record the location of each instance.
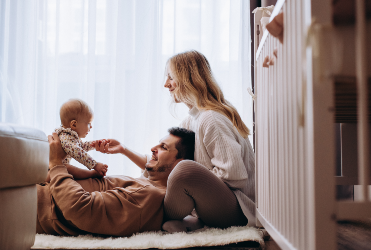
(24, 154)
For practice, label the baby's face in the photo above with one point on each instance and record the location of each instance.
(83, 126)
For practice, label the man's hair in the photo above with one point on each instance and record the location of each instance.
(74, 109)
(186, 144)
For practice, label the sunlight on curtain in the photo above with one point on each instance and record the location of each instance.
(112, 54)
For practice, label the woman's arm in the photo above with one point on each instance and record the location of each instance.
(112, 146)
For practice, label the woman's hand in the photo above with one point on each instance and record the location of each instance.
(108, 146)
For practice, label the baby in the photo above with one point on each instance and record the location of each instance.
(76, 117)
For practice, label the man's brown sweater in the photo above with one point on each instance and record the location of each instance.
(106, 206)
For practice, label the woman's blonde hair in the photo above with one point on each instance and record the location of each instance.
(196, 86)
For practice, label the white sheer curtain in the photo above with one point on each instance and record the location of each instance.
(112, 54)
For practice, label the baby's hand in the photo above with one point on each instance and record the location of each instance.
(101, 168)
(94, 143)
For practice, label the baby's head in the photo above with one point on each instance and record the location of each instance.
(77, 115)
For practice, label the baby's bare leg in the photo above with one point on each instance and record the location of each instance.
(79, 173)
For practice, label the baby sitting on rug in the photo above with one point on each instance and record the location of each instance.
(76, 117)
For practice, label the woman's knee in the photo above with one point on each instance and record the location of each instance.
(186, 170)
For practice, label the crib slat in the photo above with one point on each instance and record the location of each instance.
(273, 148)
(361, 72)
(295, 123)
(284, 132)
(290, 120)
(301, 180)
(275, 172)
(290, 24)
(280, 129)
(265, 78)
(271, 153)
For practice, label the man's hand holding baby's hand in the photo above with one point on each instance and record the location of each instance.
(101, 168)
(108, 146)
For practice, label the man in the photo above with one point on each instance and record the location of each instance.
(110, 206)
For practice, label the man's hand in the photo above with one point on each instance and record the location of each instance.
(56, 153)
(101, 169)
(108, 146)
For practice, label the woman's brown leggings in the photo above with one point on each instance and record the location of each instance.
(192, 185)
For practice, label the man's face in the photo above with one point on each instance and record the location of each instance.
(164, 155)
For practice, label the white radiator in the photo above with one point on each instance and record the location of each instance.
(294, 121)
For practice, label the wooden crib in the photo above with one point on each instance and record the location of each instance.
(321, 76)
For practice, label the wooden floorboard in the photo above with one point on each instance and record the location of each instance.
(354, 235)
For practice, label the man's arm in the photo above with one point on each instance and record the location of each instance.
(112, 146)
(139, 159)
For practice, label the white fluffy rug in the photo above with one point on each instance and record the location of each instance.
(202, 237)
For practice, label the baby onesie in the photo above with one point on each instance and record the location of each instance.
(75, 147)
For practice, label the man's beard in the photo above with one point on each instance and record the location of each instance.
(158, 168)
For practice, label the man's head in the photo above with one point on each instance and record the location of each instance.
(178, 145)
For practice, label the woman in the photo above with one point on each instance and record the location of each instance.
(219, 185)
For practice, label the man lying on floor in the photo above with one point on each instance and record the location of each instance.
(108, 206)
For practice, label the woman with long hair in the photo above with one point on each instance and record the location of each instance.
(218, 187)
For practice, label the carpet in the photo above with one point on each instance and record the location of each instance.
(162, 240)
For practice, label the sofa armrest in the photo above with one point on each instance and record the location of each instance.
(24, 155)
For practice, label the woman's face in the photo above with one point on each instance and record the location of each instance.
(170, 83)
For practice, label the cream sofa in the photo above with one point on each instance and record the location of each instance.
(24, 156)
